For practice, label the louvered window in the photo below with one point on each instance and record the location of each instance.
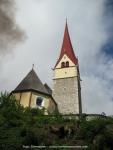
(63, 65)
(67, 63)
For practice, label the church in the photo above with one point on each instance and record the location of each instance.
(65, 95)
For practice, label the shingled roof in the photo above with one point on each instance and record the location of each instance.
(31, 82)
(48, 88)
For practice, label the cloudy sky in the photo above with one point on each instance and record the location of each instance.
(91, 29)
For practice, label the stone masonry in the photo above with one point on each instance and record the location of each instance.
(65, 93)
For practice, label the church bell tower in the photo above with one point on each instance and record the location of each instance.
(66, 80)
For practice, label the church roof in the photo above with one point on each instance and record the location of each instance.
(67, 47)
(31, 82)
(48, 88)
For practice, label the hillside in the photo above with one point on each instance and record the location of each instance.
(24, 126)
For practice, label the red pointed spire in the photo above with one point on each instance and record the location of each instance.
(67, 47)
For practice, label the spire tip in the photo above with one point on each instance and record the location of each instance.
(32, 66)
(66, 19)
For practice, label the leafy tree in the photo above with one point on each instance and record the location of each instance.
(26, 126)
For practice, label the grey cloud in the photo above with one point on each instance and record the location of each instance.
(10, 33)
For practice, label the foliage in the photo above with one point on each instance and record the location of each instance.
(25, 126)
(98, 133)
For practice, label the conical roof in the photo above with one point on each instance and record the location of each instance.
(48, 88)
(31, 82)
(67, 47)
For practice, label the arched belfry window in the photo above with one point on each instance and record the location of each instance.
(67, 63)
(63, 65)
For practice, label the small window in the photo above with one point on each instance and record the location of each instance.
(62, 64)
(67, 64)
(39, 101)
